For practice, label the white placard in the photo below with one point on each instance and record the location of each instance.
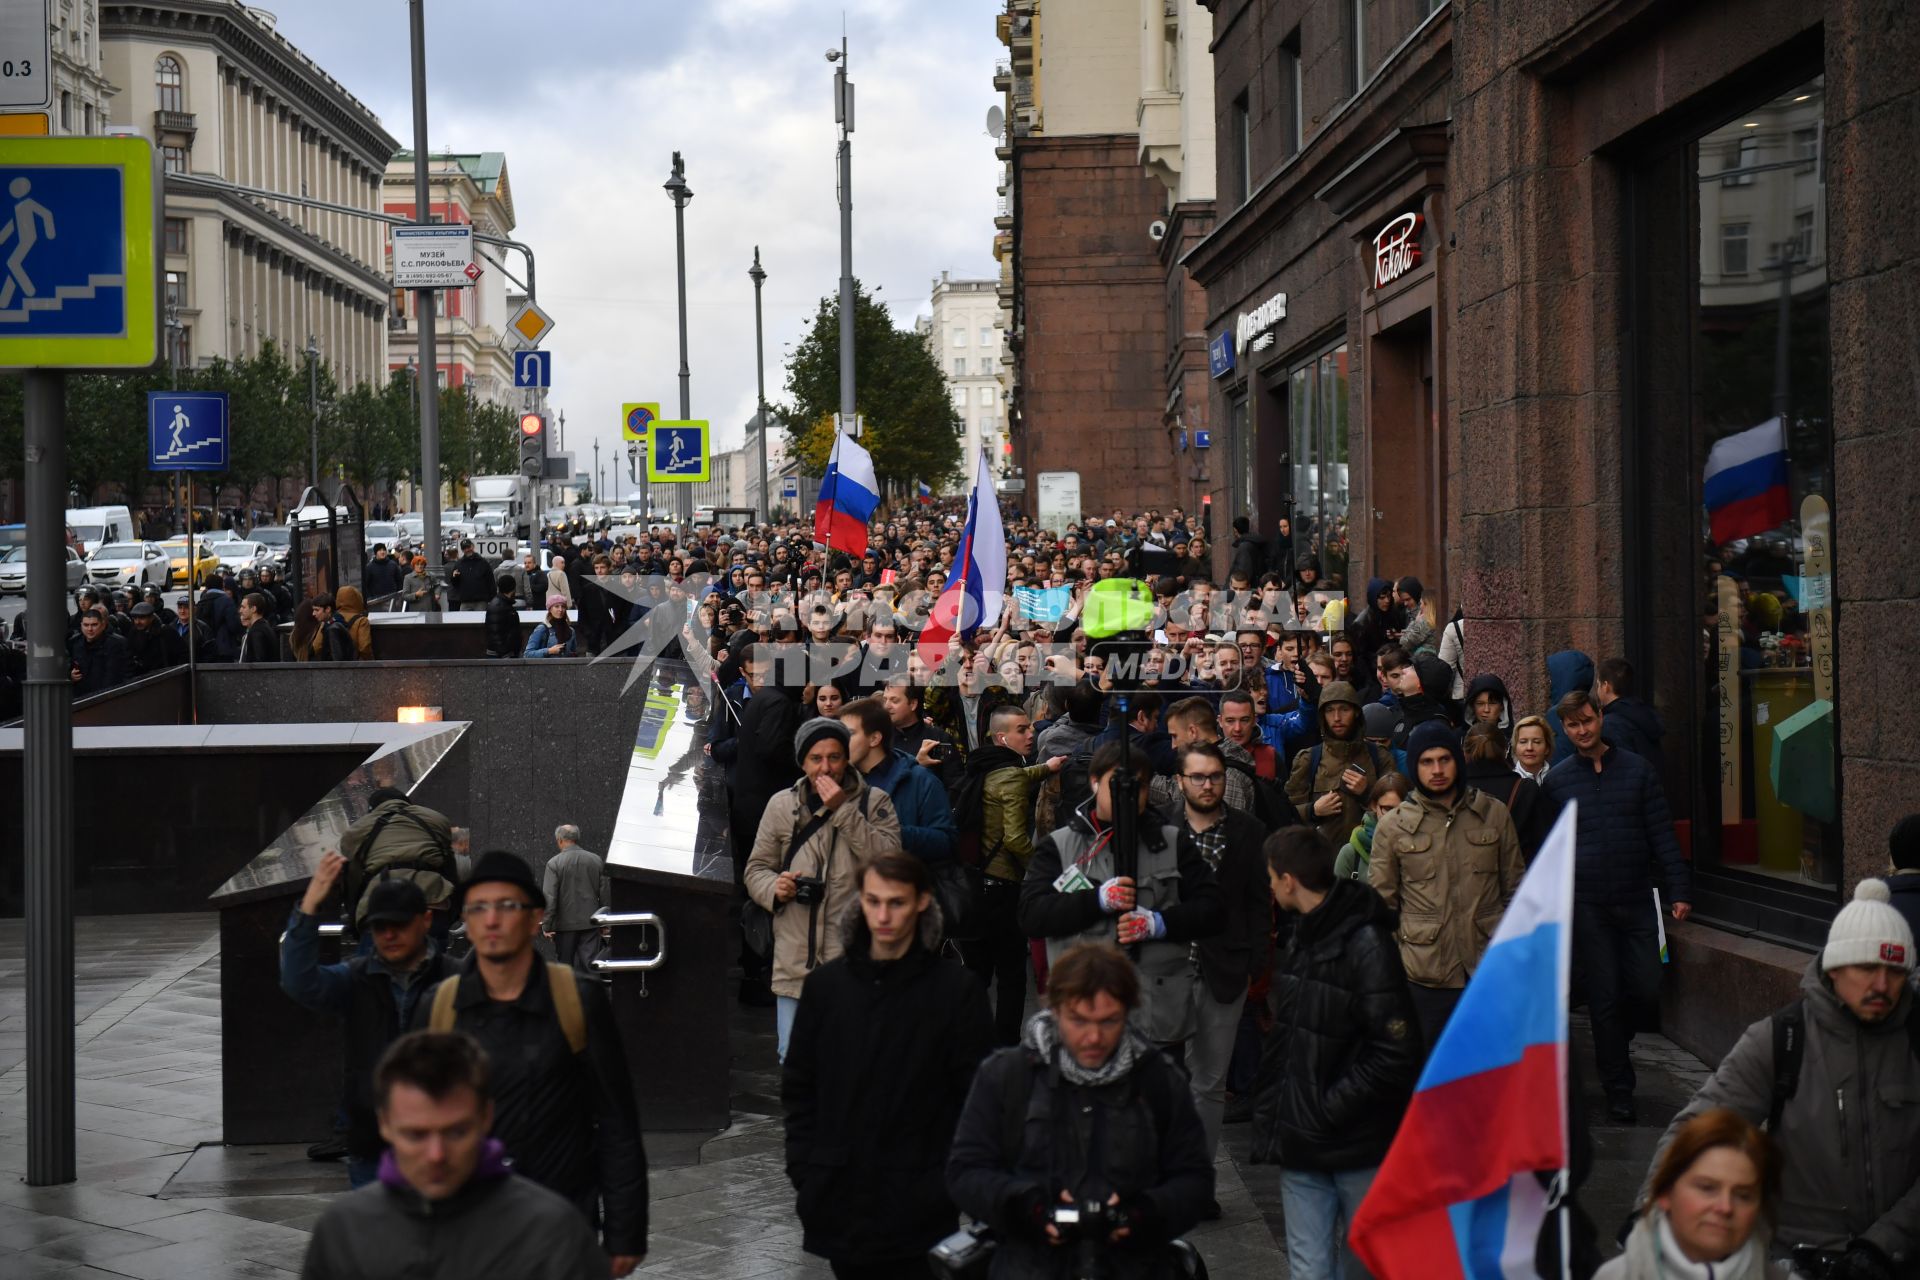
(26, 49)
(432, 257)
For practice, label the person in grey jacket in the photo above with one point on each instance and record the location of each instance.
(575, 882)
(446, 1206)
(1848, 1130)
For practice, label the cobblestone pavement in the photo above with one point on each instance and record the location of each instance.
(158, 1198)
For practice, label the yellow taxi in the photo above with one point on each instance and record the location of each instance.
(207, 561)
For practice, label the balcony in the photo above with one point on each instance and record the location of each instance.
(1003, 76)
(174, 122)
(1003, 214)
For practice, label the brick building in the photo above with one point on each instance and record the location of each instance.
(1488, 282)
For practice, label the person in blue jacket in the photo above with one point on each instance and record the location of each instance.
(555, 636)
(926, 819)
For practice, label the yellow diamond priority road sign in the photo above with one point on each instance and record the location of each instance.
(530, 323)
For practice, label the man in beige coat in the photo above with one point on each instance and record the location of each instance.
(1448, 861)
(805, 867)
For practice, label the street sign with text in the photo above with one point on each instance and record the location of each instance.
(26, 55)
(79, 287)
(432, 257)
(186, 431)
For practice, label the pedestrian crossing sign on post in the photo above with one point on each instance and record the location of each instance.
(677, 453)
(186, 431)
(79, 278)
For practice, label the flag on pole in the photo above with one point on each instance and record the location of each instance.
(974, 593)
(1745, 490)
(1457, 1197)
(922, 492)
(849, 493)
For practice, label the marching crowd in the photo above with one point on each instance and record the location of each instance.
(1330, 815)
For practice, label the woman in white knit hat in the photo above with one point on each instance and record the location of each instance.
(1835, 1077)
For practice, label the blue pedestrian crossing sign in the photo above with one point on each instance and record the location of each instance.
(79, 280)
(677, 452)
(186, 431)
(532, 369)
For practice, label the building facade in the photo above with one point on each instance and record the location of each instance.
(1486, 287)
(470, 189)
(964, 334)
(82, 93)
(222, 94)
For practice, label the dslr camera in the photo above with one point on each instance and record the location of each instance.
(1088, 1226)
(808, 890)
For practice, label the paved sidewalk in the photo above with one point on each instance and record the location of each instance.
(159, 1198)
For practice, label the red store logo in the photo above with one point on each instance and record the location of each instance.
(1396, 250)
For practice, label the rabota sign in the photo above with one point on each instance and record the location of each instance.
(1396, 249)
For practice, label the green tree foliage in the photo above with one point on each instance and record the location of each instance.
(912, 428)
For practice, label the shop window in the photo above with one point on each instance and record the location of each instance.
(1318, 426)
(1733, 248)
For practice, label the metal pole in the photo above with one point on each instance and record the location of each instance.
(843, 112)
(313, 416)
(682, 194)
(424, 300)
(599, 489)
(48, 770)
(759, 276)
(193, 655)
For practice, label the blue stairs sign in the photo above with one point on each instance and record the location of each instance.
(187, 430)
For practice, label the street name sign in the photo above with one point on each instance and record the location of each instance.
(186, 431)
(432, 257)
(677, 452)
(79, 279)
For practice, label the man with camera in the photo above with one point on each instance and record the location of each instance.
(811, 842)
(1080, 1149)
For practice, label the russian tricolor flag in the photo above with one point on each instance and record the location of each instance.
(921, 491)
(975, 592)
(1457, 1197)
(1746, 482)
(849, 493)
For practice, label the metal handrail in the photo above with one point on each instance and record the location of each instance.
(606, 919)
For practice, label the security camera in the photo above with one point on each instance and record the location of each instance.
(1157, 230)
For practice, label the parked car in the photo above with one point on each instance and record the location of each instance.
(275, 541)
(206, 560)
(379, 531)
(237, 554)
(13, 571)
(130, 565)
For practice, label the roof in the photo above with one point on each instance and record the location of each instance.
(485, 167)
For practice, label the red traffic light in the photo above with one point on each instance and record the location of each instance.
(532, 424)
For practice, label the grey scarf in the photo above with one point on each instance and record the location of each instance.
(1042, 1035)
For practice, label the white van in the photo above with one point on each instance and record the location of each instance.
(97, 526)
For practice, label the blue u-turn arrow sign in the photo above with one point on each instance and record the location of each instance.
(532, 369)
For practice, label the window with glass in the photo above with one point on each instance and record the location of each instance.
(1765, 810)
(1241, 493)
(1242, 119)
(169, 83)
(986, 337)
(173, 159)
(176, 289)
(1318, 428)
(176, 235)
(959, 366)
(959, 336)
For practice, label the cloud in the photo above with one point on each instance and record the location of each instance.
(589, 99)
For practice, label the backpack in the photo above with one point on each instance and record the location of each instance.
(562, 984)
(363, 869)
(1270, 803)
(1790, 1047)
(969, 808)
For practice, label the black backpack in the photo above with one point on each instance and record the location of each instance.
(969, 809)
(1790, 1048)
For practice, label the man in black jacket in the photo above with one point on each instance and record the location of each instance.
(152, 647)
(1624, 829)
(882, 1054)
(1631, 724)
(1082, 1140)
(223, 625)
(1343, 1057)
(259, 642)
(374, 994)
(472, 579)
(566, 1115)
(503, 622)
(99, 658)
(1229, 840)
(383, 575)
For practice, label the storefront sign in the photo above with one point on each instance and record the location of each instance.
(1816, 585)
(1255, 326)
(1220, 355)
(1396, 250)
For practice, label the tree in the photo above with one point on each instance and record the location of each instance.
(912, 430)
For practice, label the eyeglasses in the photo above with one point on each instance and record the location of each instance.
(508, 907)
(1206, 779)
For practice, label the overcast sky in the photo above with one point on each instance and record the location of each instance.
(590, 98)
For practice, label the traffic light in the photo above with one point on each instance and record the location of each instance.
(533, 445)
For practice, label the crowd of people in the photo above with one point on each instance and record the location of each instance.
(982, 1006)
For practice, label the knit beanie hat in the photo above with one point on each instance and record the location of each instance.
(1379, 719)
(1427, 735)
(1869, 930)
(815, 729)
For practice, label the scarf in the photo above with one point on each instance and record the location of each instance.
(1653, 1254)
(1042, 1035)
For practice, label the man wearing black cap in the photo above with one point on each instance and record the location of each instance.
(152, 647)
(1448, 860)
(563, 1097)
(375, 994)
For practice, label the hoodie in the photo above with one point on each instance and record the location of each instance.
(1490, 683)
(1567, 670)
(1632, 725)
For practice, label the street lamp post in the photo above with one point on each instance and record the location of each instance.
(599, 490)
(425, 301)
(759, 277)
(682, 195)
(313, 417)
(843, 116)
